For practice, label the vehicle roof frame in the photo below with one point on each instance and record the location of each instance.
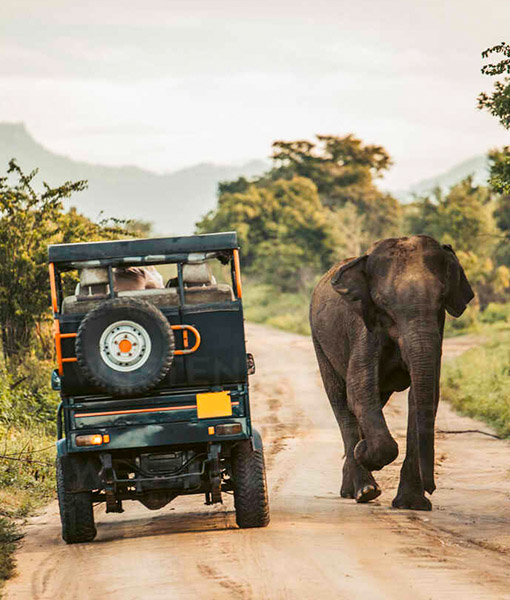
(141, 251)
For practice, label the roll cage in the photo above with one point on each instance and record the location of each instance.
(140, 252)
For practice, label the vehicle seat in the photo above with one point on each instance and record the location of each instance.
(93, 288)
(200, 285)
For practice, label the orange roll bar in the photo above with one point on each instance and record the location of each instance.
(237, 268)
(61, 336)
(53, 288)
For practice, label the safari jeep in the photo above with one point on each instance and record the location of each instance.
(153, 379)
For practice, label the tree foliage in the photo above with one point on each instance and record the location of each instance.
(466, 218)
(318, 202)
(498, 102)
(499, 165)
(29, 221)
(344, 170)
(283, 229)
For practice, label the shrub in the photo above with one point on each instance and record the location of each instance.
(478, 382)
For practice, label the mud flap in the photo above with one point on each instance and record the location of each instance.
(107, 475)
(256, 440)
(214, 496)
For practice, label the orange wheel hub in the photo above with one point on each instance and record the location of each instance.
(125, 346)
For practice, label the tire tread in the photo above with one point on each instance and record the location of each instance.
(76, 512)
(250, 486)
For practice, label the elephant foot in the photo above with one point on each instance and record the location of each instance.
(411, 501)
(347, 489)
(367, 493)
(377, 455)
(358, 483)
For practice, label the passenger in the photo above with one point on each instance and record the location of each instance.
(137, 278)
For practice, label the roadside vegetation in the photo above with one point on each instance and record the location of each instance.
(31, 217)
(477, 384)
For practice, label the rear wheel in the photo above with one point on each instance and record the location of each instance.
(76, 512)
(250, 486)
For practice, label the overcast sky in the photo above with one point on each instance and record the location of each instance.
(165, 84)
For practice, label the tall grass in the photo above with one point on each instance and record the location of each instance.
(27, 449)
(267, 305)
(477, 383)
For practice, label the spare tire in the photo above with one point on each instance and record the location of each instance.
(125, 346)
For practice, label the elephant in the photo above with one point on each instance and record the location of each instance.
(377, 325)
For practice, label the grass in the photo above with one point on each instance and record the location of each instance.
(496, 316)
(26, 483)
(264, 304)
(9, 536)
(27, 451)
(477, 383)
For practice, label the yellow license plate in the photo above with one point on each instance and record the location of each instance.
(214, 404)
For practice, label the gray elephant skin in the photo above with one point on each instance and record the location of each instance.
(377, 325)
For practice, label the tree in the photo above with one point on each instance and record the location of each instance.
(29, 221)
(344, 170)
(282, 226)
(499, 167)
(349, 231)
(497, 103)
(138, 227)
(465, 218)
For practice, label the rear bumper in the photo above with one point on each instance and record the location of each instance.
(170, 419)
(159, 434)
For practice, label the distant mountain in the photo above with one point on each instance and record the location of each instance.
(477, 166)
(173, 201)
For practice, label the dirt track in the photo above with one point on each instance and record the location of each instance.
(317, 545)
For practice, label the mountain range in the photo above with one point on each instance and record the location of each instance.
(173, 201)
(477, 167)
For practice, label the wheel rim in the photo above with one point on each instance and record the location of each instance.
(125, 346)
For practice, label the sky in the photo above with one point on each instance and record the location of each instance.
(165, 84)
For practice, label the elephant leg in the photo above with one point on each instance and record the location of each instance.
(357, 481)
(411, 494)
(377, 448)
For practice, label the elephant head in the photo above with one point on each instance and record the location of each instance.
(401, 288)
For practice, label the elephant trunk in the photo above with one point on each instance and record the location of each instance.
(422, 353)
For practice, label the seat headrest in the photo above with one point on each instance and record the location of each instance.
(93, 276)
(197, 274)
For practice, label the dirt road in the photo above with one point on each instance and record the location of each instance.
(317, 545)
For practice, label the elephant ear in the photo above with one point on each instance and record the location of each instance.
(458, 290)
(351, 282)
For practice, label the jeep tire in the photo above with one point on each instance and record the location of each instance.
(250, 485)
(76, 511)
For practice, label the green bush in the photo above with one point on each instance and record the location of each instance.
(266, 304)
(9, 536)
(467, 323)
(495, 313)
(27, 448)
(26, 398)
(477, 383)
